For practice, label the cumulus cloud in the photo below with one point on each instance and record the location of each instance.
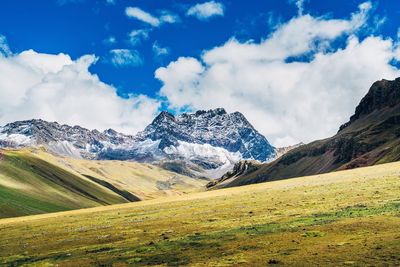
(125, 57)
(288, 100)
(206, 10)
(57, 88)
(139, 14)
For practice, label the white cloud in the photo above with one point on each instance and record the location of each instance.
(136, 36)
(300, 6)
(139, 14)
(159, 51)
(111, 2)
(206, 10)
(298, 36)
(125, 57)
(57, 88)
(288, 101)
(4, 48)
(168, 17)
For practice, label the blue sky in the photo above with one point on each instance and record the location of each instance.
(135, 39)
(81, 27)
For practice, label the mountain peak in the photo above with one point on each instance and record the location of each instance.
(217, 111)
(213, 127)
(110, 132)
(164, 116)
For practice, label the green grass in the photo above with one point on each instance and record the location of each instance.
(336, 219)
(29, 185)
(13, 203)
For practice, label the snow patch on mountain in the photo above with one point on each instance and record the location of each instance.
(64, 148)
(193, 151)
(16, 140)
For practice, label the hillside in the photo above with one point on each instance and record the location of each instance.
(33, 181)
(335, 219)
(370, 137)
(145, 181)
(30, 185)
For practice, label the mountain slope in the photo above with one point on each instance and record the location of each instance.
(30, 185)
(145, 181)
(372, 136)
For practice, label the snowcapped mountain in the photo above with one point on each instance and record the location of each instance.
(61, 139)
(214, 127)
(206, 143)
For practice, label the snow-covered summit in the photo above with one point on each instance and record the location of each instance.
(217, 128)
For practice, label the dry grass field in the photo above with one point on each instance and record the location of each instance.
(347, 218)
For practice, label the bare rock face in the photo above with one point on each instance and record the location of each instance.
(382, 94)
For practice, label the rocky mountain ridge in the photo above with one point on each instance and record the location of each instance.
(209, 142)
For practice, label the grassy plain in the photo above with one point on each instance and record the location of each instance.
(347, 218)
